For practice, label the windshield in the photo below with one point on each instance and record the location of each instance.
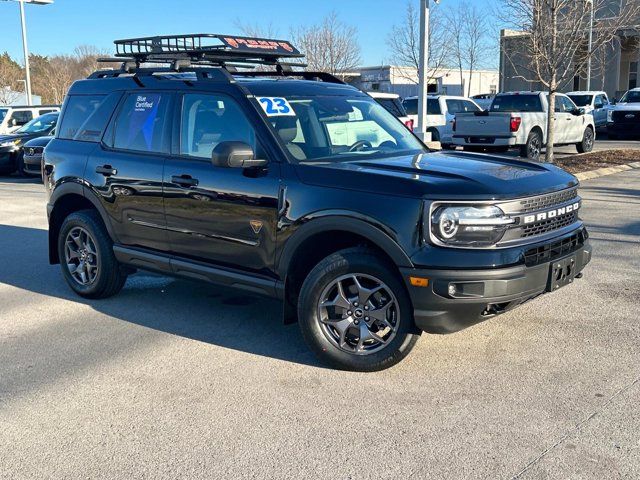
(332, 128)
(3, 113)
(582, 100)
(41, 124)
(516, 103)
(631, 96)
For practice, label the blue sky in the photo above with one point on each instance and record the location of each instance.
(60, 27)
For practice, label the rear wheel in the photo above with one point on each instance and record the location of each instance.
(588, 139)
(355, 314)
(86, 256)
(533, 148)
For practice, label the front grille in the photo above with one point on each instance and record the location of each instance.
(538, 203)
(626, 116)
(553, 251)
(549, 225)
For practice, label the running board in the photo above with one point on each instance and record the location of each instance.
(181, 267)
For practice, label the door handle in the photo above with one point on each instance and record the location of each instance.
(106, 170)
(184, 180)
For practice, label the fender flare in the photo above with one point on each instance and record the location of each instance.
(346, 221)
(75, 188)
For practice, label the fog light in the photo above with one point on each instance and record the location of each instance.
(452, 290)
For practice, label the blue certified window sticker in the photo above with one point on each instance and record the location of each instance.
(276, 107)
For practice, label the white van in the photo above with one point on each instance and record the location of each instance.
(14, 117)
(441, 112)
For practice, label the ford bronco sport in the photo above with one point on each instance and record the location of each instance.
(292, 184)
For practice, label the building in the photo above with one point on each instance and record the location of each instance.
(404, 80)
(9, 97)
(614, 69)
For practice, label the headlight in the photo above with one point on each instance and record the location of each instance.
(11, 143)
(468, 226)
(610, 116)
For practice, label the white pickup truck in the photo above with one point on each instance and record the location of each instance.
(519, 120)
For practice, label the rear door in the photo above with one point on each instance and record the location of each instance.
(225, 216)
(126, 170)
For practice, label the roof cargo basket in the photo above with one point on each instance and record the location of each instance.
(206, 48)
(182, 53)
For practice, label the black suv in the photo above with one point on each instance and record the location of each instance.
(294, 185)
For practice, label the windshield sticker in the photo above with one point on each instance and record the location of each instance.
(276, 107)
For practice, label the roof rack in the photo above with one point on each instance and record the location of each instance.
(206, 49)
(195, 52)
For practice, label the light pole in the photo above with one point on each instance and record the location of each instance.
(423, 73)
(590, 46)
(24, 43)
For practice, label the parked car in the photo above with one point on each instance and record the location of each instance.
(11, 146)
(484, 100)
(32, 155)
(519, 120)
(624, 117)
(12, 118)
(441, 111)
(306, 191)
(393, 103)
(595, 103)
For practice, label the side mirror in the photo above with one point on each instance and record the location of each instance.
(579, 111)
(235, 155)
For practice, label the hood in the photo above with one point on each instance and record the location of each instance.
(452, 175)
(13, 136)
(626, 107)
(39, 142)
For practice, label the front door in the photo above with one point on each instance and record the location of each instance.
(564, 120)
(225, 216)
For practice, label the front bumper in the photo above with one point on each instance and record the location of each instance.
(622, 129)
(33, 163)
(7, 157)
(484, 293)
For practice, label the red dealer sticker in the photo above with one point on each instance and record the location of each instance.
(259, 45)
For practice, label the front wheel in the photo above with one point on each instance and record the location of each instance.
(588, 139)
(355, 313)
(86, 256)
(533, 148)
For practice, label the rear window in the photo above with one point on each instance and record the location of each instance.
(393, 105)
(76, 112)
(516, 103)
(433, 106)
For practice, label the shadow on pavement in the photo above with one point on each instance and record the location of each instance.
(207, 313)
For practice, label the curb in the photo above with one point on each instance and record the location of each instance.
(601, 172)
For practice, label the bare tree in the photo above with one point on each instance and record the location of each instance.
(470, 40)
(330, 46)
(557, 37)
(404, 43)
(10, 76)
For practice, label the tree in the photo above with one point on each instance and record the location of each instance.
(404, 43)
(10, 76)
(330, 46)
(470, 39)
(556, 40)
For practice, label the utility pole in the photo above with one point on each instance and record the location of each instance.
(423, 73)
(590, 47)
(26, 54)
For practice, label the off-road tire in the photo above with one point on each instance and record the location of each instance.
(343, 263)
(111, 276)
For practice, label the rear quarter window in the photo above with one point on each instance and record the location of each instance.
(517, 103)
(77, 110)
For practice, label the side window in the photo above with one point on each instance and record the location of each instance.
(44, 112)
(468, 106)
(209, 119)
(453, 106)
(601, 101)
(76, 111)
(569, 106)
(21, 117)
(433, 107)
(96, 122)
(559, 105)
(142, 123)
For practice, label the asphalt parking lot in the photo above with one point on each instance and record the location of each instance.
(172, 379)
(602, 143)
